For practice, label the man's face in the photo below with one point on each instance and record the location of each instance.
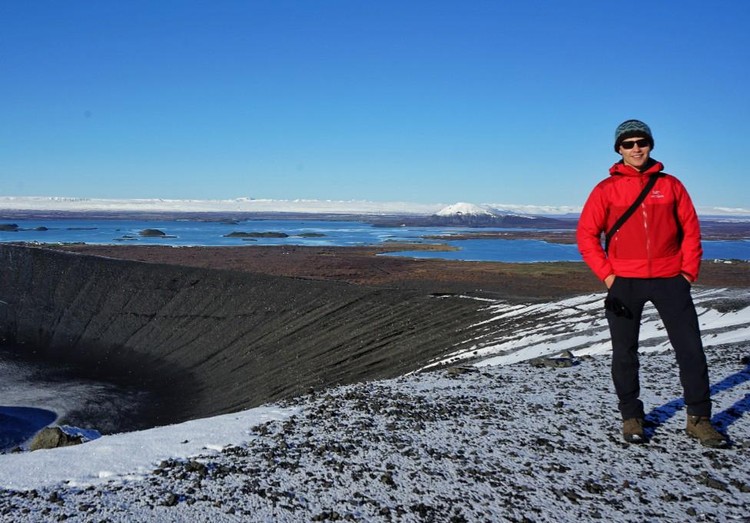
(635, 152)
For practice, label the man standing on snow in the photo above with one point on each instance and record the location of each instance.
(652, 253)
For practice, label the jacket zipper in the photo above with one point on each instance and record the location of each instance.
(644, 213)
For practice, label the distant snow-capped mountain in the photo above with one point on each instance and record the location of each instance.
(472, 215)
(467, 209)
(471, 211)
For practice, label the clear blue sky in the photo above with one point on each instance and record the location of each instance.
(424, 101)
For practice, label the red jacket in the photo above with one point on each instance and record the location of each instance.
(661, 239)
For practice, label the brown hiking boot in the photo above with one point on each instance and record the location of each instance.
(632, 430)
(700, 428)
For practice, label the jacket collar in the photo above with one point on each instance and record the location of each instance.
(620, 168)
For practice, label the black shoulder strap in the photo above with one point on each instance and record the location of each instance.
(622, 219)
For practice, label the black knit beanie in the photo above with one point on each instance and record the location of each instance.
(632, 129)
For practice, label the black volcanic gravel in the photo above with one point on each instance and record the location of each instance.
(506, 443)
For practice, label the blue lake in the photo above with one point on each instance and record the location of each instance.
(534, 250)
(200, 233)
(312, 233)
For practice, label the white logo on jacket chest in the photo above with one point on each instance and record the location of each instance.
(656, 193)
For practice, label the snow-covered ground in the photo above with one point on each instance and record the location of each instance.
(497, 440)
(518, 332)
(72, 204)
(44, 203)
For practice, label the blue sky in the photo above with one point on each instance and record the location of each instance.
(440, 101)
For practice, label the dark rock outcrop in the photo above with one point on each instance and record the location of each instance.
(206, 342)
(152, 233)
(52, 438)
(270, 234)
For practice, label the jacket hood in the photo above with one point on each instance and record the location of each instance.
(620, 168)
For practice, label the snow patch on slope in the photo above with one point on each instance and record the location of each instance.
(518, 332)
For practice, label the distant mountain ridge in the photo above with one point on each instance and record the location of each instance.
(467, 209)
(464, 214)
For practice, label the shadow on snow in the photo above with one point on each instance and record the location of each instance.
(721, 420)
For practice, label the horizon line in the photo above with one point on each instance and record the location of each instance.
(300, 205)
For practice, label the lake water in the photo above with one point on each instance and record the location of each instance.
(524, 251)
(312, 233)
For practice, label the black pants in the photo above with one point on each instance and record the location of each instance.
(671, 297)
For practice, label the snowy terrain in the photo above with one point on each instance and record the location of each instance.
(473, 210)
(467, 209)
(51, 203)
(522, 332)
(230, 205)
(495, 440)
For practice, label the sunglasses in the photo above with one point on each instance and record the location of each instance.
(643, 142)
